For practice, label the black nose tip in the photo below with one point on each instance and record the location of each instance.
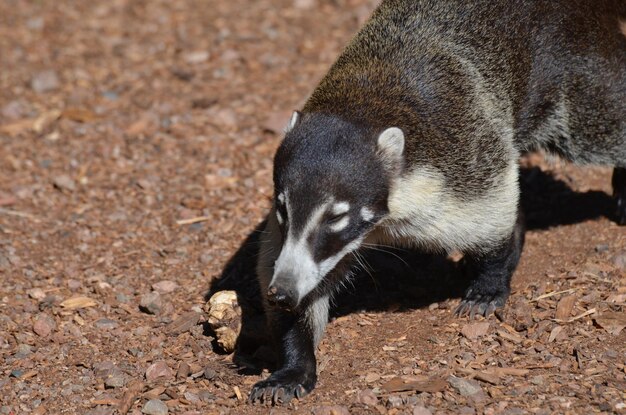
(281, 298)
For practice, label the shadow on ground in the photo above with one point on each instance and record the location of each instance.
(401, 279)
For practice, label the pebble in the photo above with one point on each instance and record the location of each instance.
(183, 323)
(64, 182)
(367, 397)
(106, 324)
(158, 370)
(151, 303)
(372, 377)
(475, 330)
(23, 350)
(154, 407)
(165, 287)
(183, 371)
(206, 396)
(16, 373)
(330, 410)
(394, 401)
(45, 81)
(619, 260)
(467, 387)
(196, 57)
(37, 294)
(44, 325)
(115, 379)
(209, 373)
(421, 410)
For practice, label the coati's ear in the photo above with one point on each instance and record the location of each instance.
(295, 118)
(391, 146)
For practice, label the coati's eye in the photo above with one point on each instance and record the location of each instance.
(337, 223)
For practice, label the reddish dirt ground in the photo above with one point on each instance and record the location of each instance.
(120, 119)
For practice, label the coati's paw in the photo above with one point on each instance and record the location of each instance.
(481, 302)
(281, 387)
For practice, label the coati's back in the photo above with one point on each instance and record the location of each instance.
(543, 74)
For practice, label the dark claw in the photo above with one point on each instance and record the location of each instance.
(463, 308)
(491, 309)
(300, 392)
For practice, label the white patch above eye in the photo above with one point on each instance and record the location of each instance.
(367, 214)
(341, 224)
(340, 208)
(279, 217)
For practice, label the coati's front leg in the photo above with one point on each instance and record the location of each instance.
(295, 333)
(296, 336)
(619, 192)
(492, 271)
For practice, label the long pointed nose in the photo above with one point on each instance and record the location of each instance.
(282, 298)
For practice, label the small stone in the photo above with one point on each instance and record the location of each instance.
(16, 373)
(151, 303)
(537, 380)
(601, 248)
(64, 182)
(165, 287)
(23, 350)
(154, 407)
(467, 387)
(45, 81)
(37, 294)
(183, 323)
(206, 396)
(225, 117)
(115, 379)
(372, 377)
(184, 370)
(196, 57)
(44, 325)
(192, 397)
(475, 330)
(421, 410)
(209, 373)
(330, 410)
(394, 401)
(367, 397)
(619, 260)
(158, 370)
(106, 324)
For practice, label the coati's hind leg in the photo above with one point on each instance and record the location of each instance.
(492, 271)
(619, 192)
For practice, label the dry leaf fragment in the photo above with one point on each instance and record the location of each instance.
(183, 323)
(510, 336)
(413, 383)
(564, 307)
(612, 322)
(81, 115)
(78, 302)
(554, 333)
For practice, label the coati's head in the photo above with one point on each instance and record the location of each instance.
(331, 185)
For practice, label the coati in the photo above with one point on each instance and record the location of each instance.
(412, 139)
